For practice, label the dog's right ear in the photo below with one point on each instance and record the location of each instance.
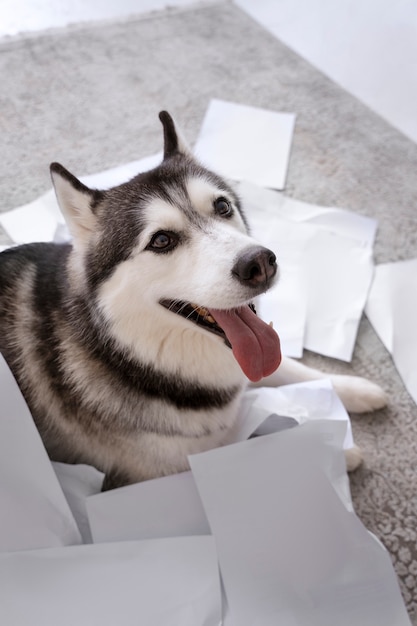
(174, 142)
(76, 202)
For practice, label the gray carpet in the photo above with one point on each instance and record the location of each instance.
(89, 97)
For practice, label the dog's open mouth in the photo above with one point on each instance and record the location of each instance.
(255, 344)
(197, 314)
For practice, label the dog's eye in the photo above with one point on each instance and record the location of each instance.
(163, 241)
(223, 207)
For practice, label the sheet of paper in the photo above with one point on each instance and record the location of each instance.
(34, 511)
(325, 255)
(157, 583)
(35, 221)
(392, 310)
(339, 221)
(246, 143)
(339, 273)
(164, 507)
(78, 482)
(289, 551)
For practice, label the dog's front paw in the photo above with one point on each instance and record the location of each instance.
(358, 394)
(353, 458)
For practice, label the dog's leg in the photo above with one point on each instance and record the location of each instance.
(353, 458)
(358, 395)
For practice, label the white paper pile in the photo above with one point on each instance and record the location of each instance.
(273, 512)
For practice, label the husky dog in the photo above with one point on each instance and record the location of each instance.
(133, 345)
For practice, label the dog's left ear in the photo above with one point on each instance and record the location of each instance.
(76, 201)
(174, 142)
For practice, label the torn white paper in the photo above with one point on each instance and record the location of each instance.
(34, 511)
(246, 143)
(165, 582)
(339, 274)
(325, 255)
(260, 201)
(392, 310)
(78, 482)
(36, 221)
(305, 402)
(289, 551)
(164, 507)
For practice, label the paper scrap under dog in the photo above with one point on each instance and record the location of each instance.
(34, 511)
(246, 143)
(163, 507)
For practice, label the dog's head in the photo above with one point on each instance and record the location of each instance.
(170, 249)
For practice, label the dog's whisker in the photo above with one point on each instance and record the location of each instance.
(183, 307)
(174, 304)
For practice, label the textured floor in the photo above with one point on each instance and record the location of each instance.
(367, 46)
(89, 97)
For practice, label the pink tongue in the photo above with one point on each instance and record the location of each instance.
(255, 345)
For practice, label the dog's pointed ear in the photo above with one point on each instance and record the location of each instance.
(76, 202)
(174, 142)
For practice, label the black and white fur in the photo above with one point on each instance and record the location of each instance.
(112, 377)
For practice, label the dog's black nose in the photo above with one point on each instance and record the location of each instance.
(256, 267)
